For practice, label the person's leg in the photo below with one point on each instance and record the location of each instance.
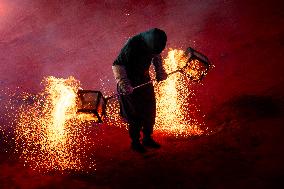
(147, 135)
(148, 119)
(147, 129)
(134, 133)
(128, 110)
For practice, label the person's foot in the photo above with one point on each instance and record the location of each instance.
(149, 142)
(138, 147)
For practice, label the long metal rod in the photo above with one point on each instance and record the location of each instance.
(138, 86)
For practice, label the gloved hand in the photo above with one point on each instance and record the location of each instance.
(125, 87)
(122, 80)
(161, 74)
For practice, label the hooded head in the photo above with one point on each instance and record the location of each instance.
(155, 39)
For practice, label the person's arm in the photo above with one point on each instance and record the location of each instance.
(158, 65)
(119, 70)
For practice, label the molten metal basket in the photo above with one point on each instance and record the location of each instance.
(92, 102)
(197, 65)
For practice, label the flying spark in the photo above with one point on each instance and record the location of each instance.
(50, 134)
(176, 110)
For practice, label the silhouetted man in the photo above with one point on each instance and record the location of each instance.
(131, 68)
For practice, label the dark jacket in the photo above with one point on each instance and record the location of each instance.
(138, 52)
(136, 56)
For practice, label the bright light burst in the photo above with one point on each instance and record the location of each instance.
(50, 134)
(176, 111)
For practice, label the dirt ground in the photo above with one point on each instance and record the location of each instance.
(242, 97)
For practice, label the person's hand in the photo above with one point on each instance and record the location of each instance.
(161, 76)
(125, 87)
(122, 79)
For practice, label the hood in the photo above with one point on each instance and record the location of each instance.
(155, 39)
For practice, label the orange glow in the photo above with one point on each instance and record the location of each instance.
(50, 132)
(52, 135)
(176, 113)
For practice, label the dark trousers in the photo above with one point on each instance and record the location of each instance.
(135, 128)
(139, 109)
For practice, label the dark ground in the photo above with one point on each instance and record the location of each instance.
(242, 97)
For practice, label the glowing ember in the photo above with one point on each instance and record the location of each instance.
(113, 117)
(195, 70)
(176, 113)
(50, 134)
